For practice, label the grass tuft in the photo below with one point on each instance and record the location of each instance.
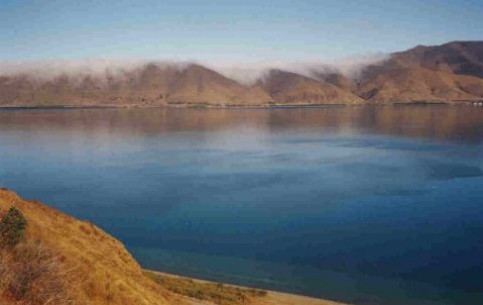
(30, 274)
(12, 228)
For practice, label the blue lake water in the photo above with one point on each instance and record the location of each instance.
(367, 205)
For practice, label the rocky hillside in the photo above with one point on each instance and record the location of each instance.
(451, 72)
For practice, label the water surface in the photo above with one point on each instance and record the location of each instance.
(368, 205)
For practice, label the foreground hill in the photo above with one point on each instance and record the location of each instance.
(61, 260)
(74, 262)
(451, 72)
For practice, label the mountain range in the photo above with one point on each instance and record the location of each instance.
(451, 73)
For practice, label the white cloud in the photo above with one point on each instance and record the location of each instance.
(250, 73)
(244, 73)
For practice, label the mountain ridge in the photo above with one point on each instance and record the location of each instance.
(451, 73)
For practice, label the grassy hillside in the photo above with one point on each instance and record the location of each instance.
(62, 260)
(49, 258)
(217, 293)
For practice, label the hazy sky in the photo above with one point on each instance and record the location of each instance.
(246, 31)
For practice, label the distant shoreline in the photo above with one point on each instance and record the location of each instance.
(268, 106)
(191, 106)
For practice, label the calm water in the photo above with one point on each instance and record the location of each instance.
(359, 204)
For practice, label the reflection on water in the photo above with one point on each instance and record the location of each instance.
(367, 205)
(438, 122)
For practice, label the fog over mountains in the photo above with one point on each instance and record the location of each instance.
(452, 72)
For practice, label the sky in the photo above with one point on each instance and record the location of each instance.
(229, 31)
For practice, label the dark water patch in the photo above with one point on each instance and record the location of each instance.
(443, 171)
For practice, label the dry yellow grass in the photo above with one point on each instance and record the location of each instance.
(96, 268)
(268, 298)
(79, 264)
(217, 293)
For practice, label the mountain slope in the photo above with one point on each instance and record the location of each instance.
(397, 83)
(448, 73)
(452, 72)
(150, 85)
(340, 81)
(200, 85)
(459, 57)
(292, 88)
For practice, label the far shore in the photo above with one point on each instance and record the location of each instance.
(236, 106)
(272, 297)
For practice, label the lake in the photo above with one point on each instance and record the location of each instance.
(368, 205)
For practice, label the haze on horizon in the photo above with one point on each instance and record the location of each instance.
(228, 32)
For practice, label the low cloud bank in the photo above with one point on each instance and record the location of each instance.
(244, 73)
(98, 68)
(250, 73)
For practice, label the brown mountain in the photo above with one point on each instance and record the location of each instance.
(199, 85)
(398, 83)
(153, 85)
(452, 72)
(340, 81)
(150, 85)
(291, 88)
(459, 57)
(448, 73)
